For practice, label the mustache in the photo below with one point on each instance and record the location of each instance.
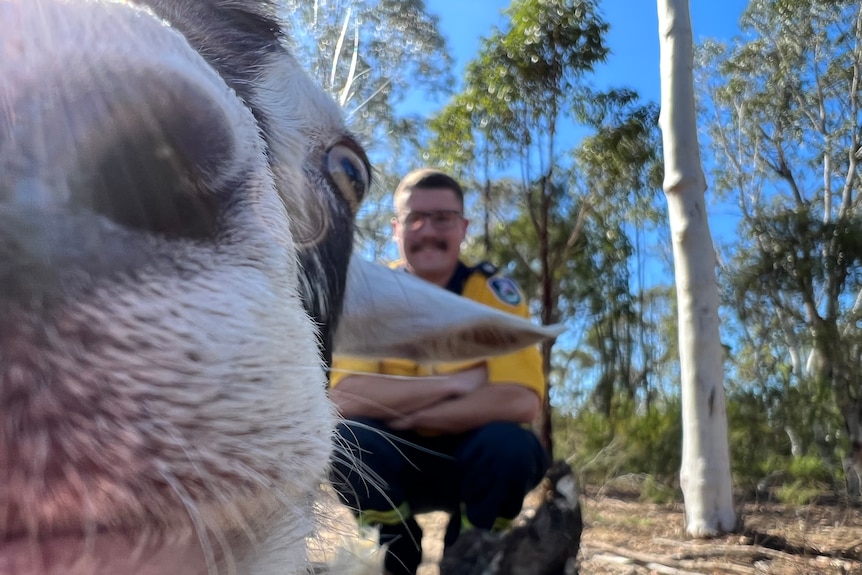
(430, 242)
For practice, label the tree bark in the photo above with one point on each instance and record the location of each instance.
(705, 472)
(548, 312)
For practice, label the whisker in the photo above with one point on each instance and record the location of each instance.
(393, 439)
(226, 503)
(344, 454)
(382, 375)
(197, 520)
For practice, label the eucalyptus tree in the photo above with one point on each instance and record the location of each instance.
(517, 93)
(705, 470)
(784, 103)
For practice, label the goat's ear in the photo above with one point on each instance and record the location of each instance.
(388, 313)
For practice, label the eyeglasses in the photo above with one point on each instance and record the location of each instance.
(441, 220)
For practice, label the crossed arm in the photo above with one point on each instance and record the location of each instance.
(447, 403)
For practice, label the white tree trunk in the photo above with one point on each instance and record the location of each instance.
(705, 472)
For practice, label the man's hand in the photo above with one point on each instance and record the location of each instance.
(468, 380)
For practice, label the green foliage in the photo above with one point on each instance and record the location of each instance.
(624, 153)
(646, 442)
(808, 477)
(791, 256)
(657, 492)
(760, 424)
(550, 43)
(810, 470)
(798, 493)
(634, 440)
(654, 438)
(519, 84)
(755, 442)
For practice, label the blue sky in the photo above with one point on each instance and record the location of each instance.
(633, 36)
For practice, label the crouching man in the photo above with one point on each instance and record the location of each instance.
(443, 436)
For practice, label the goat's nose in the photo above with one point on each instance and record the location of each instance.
(110, 125)
(102, 107)
(139, 147)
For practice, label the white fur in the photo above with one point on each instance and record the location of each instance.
(223, 453)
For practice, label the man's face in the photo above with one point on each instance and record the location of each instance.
(429, 229)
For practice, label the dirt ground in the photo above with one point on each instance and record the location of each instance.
(625, 536)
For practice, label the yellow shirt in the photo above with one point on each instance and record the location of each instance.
(523, 367)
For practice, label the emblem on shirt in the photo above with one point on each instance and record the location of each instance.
(505, 290)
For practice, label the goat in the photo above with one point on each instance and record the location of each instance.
(176, 211)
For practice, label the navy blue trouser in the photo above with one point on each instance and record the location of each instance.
(386, 476)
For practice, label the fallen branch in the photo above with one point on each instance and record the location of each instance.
(650, 560)
(755, 552)
(653, 567)
(695, 550)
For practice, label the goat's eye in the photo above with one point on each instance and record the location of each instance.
(349, 172)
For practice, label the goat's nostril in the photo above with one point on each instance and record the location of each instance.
(155, 161)
(155, 151)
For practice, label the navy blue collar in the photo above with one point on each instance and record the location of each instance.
(458, 279)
